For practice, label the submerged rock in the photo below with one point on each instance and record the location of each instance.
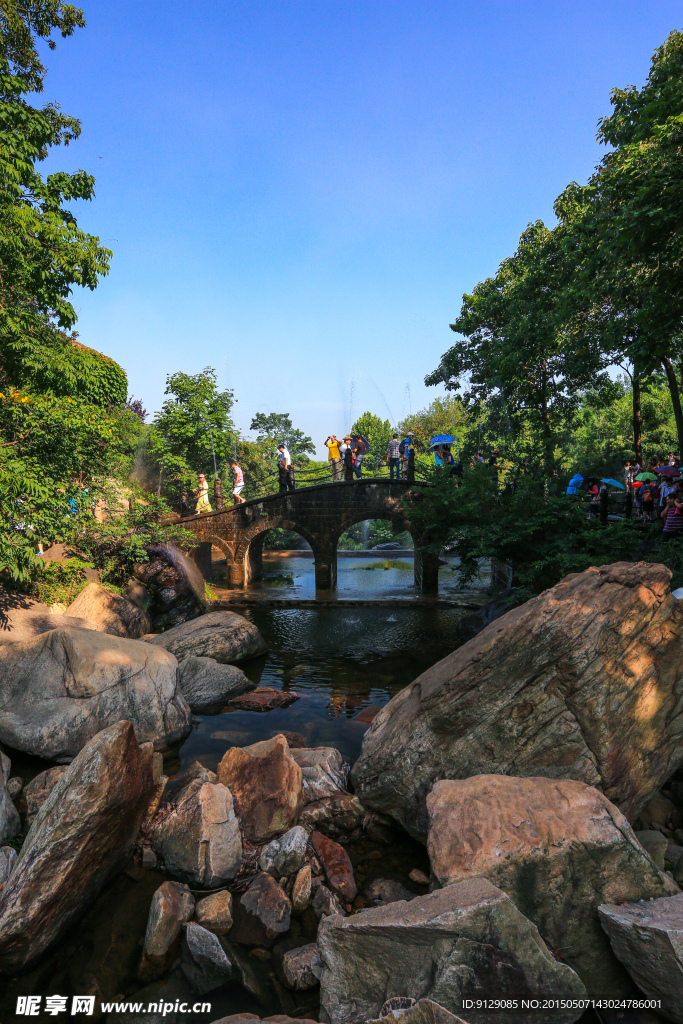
(552, 688)
(223, 636)
(465, 940)
(265, 781)
(265, 698)
(648, 939)
(62, 688)
(110, 613)
(205, 682)
(83, 834)
(558, 849)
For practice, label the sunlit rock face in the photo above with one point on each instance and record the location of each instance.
(583, 682)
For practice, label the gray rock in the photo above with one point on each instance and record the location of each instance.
(208, 966)
(149, 860)
(673, 854)
(174, 990)
(655, 843)
(39, 789)
(62, 688)
(172, 907)
(15, 786)
(224, 636)
(83, 834)
(648, 939)
(205, 682)
(321, 772)
(215, 913)
(10, 822)
(296, 967)
(286, 855)
(464, 938)
(199, 840)
(383, 890)
(559, 682)
(8, 858)
(326, 904)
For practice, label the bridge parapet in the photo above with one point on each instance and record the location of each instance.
(320, 514)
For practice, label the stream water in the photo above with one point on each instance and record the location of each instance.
(345, 662)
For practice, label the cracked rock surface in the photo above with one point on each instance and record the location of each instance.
(583, 682)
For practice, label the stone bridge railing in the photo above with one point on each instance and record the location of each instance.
(320, 514)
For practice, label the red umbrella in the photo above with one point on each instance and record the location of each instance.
(669, 471)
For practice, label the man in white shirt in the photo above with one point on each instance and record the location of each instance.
(239, 483)
(285, 468)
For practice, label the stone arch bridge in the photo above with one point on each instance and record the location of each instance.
(319, 514)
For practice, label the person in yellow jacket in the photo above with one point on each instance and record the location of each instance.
(334, 457)
(202, 492)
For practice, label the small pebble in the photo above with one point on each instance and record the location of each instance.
(260, 953)
(418, 877)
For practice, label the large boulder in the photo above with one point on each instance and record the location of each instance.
(583, 682)
(198, 837)
(110, 613)
(265, 781)
(648, 939)
(83, 834)
(60, 689)
(38, 790)
(205, 682)
(223, 636)
(22, 618)
(558, 849)
(175, 584)
(465, 941)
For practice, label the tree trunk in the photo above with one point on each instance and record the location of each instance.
(675, 399)
(637, 418)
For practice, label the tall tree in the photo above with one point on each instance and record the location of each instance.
(274, 427)
(378, 434)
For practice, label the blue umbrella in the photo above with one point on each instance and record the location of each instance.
(613, 483)
(574, 484)
(442, 439)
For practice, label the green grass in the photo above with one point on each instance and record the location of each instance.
(386, 563)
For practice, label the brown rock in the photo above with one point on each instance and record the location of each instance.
(648, 939)
(301, 892)
(422, 1012)
(172, 907)
(338, 867)
(83, 833)
(465, 939)
(263, 698)
(265, 782)
(326, 904)
(215, 913)
(419, 877)
(223, 636)
(38, 790)
(110, 613)
(558, 849)
(296, 968)
(582, 682)
(261, 914)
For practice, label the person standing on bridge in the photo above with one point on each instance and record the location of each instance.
(348, 461)
(393, 457)
(202, 492)
(239, 483)
(334, 457)
(286, 469)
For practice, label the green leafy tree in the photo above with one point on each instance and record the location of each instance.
(378, 433)
(193, 429)
(274, 427)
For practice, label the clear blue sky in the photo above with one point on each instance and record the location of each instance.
(298, 192)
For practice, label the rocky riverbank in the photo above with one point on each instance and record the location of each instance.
(537, 763)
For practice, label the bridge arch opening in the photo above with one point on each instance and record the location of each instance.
(271, 536)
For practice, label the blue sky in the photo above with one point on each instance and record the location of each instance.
(298, 193)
